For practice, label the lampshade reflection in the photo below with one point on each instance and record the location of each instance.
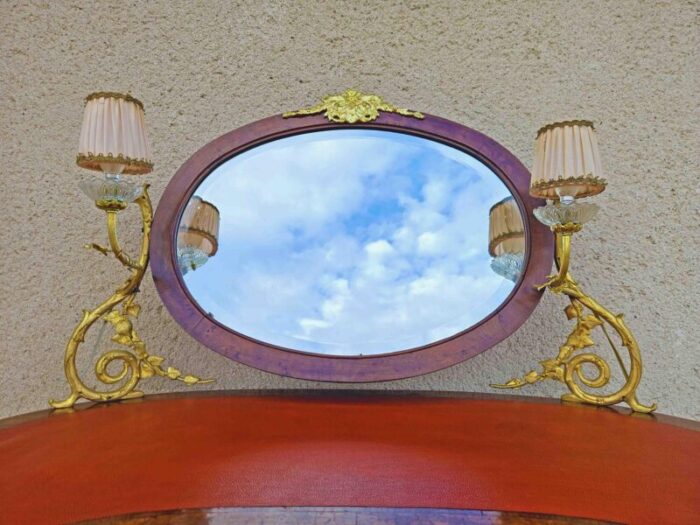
(197, 238)
(567, 162)
(506, 239)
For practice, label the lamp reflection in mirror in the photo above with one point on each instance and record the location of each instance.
(506, 239)
(113, 141)
(197, 238)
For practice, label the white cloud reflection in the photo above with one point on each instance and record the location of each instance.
(351, 242)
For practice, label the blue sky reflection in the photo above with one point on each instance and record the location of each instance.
(351, 242)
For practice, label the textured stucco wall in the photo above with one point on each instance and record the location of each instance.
(204, 68)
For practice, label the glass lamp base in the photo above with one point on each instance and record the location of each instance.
(558, 213)
(111, 192)
(508, 265)
(190, 258)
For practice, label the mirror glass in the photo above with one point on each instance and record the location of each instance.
(351, 242)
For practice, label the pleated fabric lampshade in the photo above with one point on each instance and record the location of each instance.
(199, 227)
(113, 136)
(506, 230)
(567, 162)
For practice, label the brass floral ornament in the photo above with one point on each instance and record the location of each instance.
(352, 106)
(119, 310)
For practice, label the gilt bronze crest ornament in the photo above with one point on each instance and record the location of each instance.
(352, 106)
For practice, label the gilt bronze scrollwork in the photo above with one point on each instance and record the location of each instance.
(567, 366)
(119, 311)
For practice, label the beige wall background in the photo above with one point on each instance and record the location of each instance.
(204, 68)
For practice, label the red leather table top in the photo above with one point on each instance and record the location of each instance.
(342, 449)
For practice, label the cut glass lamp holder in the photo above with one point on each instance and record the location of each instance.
(575, 212)
(508, 265)
(190, 258)
(111, 192)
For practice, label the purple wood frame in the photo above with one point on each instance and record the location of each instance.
(408, 363)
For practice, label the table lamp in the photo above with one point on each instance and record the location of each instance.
(113, 142)
(566, 169)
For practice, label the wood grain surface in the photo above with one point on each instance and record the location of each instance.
(348, 449)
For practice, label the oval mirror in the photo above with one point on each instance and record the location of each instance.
(350, 253)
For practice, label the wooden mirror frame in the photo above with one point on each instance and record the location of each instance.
(500, 324)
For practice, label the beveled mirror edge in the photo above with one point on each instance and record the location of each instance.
(383, 367)
(255, 340)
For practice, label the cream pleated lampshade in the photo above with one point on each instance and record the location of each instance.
(199, 227)
(506, 231)
(113, 137)
(567, 161)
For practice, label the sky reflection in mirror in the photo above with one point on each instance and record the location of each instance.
(351, 242)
